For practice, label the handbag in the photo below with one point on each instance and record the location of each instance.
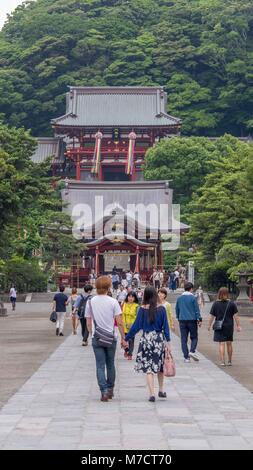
(169, 368)
(103, 337)
(53, 316)
(218, 324)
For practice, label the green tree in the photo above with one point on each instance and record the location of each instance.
(200, 51)
(185, 161)
(221, 212)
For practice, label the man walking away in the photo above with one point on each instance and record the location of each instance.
(80, 307)
(103, 310)
(13, 297)
(188, 315)
(59, 305)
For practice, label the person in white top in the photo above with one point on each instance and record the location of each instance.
(129, 277)
(156, 279)
(161, 278)
(121, 295)
(103, 310)
(176, 272)
(13, 297)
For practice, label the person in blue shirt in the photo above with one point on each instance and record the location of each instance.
(152, 320)
(189, 317)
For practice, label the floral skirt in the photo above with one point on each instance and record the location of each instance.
(151, 353)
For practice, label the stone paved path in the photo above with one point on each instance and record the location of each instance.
(59, 408)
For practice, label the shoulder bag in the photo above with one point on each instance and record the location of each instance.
(53, 316)
(103, 337)
(218, 324)
(169, 368)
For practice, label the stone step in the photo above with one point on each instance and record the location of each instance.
(42, 297)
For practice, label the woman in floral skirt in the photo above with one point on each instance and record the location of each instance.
(152, 320)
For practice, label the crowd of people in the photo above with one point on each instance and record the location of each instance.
(128, 309)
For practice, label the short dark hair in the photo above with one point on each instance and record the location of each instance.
(62, 288)
(88, 288)
(188, 286)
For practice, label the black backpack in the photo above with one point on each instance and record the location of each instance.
(82, 307)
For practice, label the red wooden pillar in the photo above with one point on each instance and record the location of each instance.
(97, 262)
(78, 168)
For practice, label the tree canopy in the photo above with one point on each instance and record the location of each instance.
(200, 51)
(213, 183)
(34, 232)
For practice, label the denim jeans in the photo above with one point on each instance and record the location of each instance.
(186, 327)
(105, 362)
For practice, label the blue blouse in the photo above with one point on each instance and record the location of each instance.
(141, 323)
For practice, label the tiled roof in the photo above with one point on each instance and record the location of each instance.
(116, 106)
(48, 147)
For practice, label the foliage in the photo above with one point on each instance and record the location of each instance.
(25, 275)
(30, 212)
(221, 212)
(200, 51)
(184, 161)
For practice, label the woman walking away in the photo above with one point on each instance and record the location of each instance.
(103, 310)
(152, 320)
(13, 297)
(129, 312)
(74, 315)
(162, 296)
(223, 313)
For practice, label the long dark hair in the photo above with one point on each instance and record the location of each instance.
(133, 294)
(150, 298)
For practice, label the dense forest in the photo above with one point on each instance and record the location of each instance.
(201, 51)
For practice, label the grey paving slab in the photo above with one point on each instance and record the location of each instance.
(59, 407)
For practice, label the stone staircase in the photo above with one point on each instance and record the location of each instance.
(42, 297)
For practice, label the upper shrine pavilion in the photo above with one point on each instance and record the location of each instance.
(99, 147)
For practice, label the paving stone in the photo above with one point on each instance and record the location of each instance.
(189, 444)
(59, 408)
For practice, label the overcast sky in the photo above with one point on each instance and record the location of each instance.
(7, 6)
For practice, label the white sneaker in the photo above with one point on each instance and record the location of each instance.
(187, 360)
(194, 356)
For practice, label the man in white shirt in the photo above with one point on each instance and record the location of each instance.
(103, 310)
(121, 295)
(176, 272)
(156, 279)
(129, 278)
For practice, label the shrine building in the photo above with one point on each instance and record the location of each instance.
(99, 148)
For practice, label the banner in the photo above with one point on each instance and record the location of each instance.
(130, 156)
(97, 153)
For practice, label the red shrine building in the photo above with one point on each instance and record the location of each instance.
(99, 149)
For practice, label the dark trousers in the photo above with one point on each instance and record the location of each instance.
(130, 348)
(188, 327)
(85, 332)
(105, 363)
(157, 284)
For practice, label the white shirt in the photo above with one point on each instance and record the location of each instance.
(104, 309)
(129, 276)
(121, 297)
(13, 293)
(176, 274)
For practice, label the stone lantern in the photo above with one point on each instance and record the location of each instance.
(244, 304)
